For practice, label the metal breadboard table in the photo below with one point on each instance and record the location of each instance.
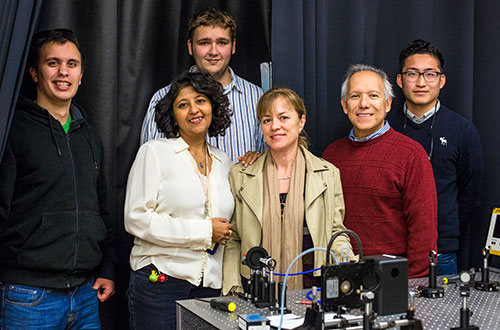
(191, 312)
(436, 314)
(444, 313)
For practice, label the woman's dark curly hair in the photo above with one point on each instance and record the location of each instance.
(205, 84)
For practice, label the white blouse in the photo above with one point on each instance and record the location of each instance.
(165, 211)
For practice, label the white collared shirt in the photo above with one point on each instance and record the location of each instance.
(165, 211)
(419, 120)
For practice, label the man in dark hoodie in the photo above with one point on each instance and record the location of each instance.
(56, 242)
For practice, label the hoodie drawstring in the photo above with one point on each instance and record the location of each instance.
(94, 157)
(53, 134)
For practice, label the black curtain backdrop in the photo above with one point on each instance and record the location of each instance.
(17, 23)
(133, 48)
(314, 42)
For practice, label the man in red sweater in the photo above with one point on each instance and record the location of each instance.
(387, 179)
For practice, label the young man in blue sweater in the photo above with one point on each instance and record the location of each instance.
(452, 144)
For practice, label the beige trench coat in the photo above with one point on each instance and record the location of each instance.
(324, 209)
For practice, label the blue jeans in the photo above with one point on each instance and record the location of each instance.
(27, 307)
(152, 305)
(447, 264)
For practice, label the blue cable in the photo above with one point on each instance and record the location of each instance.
(311, 270)
(308, 295)
(295, 274)
(282, 307)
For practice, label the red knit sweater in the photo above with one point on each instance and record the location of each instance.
(390, 196)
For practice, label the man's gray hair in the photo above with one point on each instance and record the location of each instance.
(365, 67)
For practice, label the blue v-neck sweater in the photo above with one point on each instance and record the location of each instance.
(457, 162)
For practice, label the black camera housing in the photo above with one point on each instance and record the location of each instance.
(386, 276)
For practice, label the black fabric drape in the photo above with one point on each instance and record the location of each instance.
(314, 42)
(133, 48)
(17, 23)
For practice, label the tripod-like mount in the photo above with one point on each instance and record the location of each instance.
(432, 291)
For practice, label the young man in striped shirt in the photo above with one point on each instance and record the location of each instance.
(212, 41)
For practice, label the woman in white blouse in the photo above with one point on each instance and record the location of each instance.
(178, 204)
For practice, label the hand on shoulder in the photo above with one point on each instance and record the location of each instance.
(249, 158)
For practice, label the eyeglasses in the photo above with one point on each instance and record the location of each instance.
(429, 76)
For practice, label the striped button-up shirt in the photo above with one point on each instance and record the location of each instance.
(243, 135)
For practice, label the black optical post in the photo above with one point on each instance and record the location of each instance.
(262, 288)
(485, 284)
(465, 312)
(252, 260)
(432, 291)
